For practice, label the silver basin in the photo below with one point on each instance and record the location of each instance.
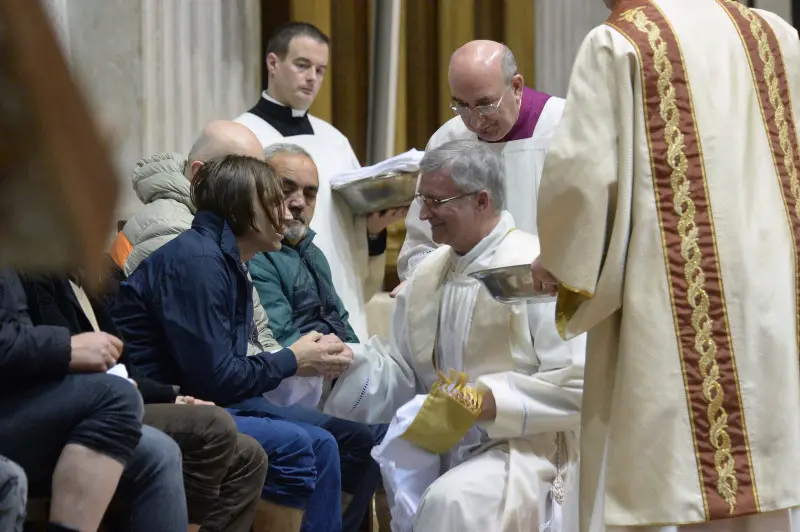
(389, 190)
(511, 284)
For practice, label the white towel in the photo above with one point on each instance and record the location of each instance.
(405, 162)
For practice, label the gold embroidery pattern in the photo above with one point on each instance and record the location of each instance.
(684, 207)
(773, 87)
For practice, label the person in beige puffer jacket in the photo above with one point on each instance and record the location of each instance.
(162, 182)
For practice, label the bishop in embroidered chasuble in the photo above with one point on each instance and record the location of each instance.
(669, 213)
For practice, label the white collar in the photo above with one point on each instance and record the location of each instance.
(478, 258)
(297, 113)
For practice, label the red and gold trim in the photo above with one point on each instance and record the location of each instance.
(769, 77)
(690, 254)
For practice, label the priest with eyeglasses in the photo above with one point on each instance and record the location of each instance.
(493, 106)
(483, 397)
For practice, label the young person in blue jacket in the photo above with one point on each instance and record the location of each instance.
(186, 314)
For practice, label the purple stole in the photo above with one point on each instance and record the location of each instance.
(530, 110)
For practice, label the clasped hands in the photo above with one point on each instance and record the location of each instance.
(319, 354)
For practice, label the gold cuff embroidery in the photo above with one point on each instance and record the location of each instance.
(566, 306)
(447, 414)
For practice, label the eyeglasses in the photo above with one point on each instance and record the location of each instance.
(433, 203)
(483, 110)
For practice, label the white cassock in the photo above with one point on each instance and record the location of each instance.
(341, 236)
(669, 211)
(446, 319)
(523, 160)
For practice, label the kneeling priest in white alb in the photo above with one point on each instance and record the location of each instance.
(489, 395)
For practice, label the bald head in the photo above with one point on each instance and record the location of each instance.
(483, 74)
(483, 59)
(220, 138)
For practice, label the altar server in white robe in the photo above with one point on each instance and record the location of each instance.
(524, 437)
(668, 211)
(297, 59)
(492, 104)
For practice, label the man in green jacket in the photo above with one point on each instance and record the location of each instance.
(295, 284)
(297, 292)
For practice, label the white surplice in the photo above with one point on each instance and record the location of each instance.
(340, 235)
(504, 483)
(668, 212)
(522, 164)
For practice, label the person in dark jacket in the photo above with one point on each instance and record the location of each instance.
(77, 432)
(297, 292)
(186, 314)
(223, 471)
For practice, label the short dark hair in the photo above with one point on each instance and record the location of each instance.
(281, 38)
(225, 186)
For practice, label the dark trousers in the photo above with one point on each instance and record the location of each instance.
(99, 411)
(223, 471)
(103, 413)
(360, 474)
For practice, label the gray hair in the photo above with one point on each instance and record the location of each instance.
(472, 166)
(284, 147)
(508, 65)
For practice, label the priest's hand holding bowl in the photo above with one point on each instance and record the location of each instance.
(320, 355)
(378, 221)
(543, 281)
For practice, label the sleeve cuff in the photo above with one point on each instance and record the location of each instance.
(156, 393)
(62, 350)
(285, 361)
(511, 419)
(377, 243)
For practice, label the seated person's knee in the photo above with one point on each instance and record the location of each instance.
(216, 426)
(159, 451)
(113, 426)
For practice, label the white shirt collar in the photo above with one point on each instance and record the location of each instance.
(297, 113)
(479, 257)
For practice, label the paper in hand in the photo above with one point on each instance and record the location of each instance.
(120, 371)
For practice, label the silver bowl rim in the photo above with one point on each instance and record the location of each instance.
(493, 271)
(379, 177)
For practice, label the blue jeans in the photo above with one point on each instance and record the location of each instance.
(359, 472)
(150, 494)
(303, 464)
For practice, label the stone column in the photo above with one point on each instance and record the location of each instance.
(155, 71)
